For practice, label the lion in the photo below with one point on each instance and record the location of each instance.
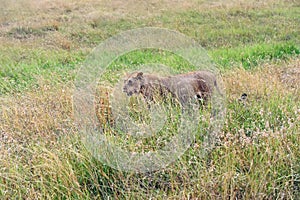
(183, 87)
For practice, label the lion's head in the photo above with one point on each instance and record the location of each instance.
(134, 84)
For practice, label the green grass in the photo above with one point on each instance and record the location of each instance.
(237, 27)
(22, 68)
(252, 56)
(212, 29)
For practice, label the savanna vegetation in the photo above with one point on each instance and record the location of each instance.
(254, 44)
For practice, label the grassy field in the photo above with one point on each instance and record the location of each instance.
(255, 45)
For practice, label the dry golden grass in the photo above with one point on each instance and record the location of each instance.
(264, 81)
(41, 114)
(103, 106)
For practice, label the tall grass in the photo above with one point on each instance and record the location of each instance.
(43, 156)
(256, 47)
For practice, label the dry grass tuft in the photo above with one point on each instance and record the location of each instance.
(264, 81)
(103, 106)
(41, 114)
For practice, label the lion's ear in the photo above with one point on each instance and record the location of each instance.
(139, 75)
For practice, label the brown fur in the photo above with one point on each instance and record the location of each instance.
(199, 84)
